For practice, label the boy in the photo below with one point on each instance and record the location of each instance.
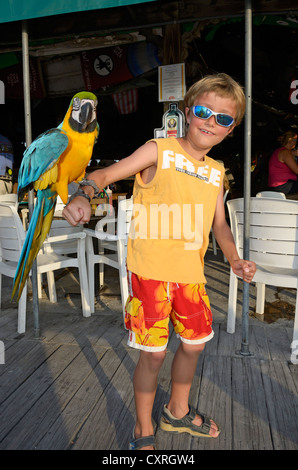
(165, 262)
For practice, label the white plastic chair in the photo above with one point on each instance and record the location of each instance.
(60, 227)
(59, 207)
(12, 236)
(273, 247)
(213, 237)
(113, 242)
(57, 244)
(11, 198)
(271, 194)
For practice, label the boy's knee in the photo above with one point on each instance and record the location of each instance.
(192, 348)
(153, 359)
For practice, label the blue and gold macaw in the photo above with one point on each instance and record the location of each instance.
(53, 160)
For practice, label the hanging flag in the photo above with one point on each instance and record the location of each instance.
(126, 101)
(110, 66)
(12, 77)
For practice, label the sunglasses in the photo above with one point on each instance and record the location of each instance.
(205, 113)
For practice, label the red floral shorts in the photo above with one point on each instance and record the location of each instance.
(152, 303)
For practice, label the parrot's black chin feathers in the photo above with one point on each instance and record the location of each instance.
(82, 127)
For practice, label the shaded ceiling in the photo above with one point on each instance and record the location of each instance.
(212, 36)
(129, 17)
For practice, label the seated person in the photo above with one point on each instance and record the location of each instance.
(283, 168)
(6, 165)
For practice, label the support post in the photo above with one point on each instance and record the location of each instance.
(28, 133)
(244, 351)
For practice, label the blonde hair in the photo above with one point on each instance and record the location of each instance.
(221, 84)
(284, 138)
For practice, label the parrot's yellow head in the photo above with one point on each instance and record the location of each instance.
(83, 112)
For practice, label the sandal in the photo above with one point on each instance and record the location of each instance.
(170, 423)
(136, 444)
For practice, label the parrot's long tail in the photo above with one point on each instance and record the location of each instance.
(38, 230)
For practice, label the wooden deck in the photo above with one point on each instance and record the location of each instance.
(72, 387)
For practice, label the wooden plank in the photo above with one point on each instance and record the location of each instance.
(215, 400)
(112, 337)
(74, 330)
(29, 392)
(8, 321)
(169, 440)
(211, 387)
(228, 344)
(21, 362)
(280, 390)
(211, 346)
(294, 373)
(52, 403)
(61, 434)
(96, 329)
(278, 343)
(262, 390)
(14, 351)
(103, 421)
(126, 421)
(251, 430)
(7, 345)
(163, 439)
(258, 345)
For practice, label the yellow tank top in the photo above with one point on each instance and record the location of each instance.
(172, 216)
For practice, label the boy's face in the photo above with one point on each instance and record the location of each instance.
(205, 133)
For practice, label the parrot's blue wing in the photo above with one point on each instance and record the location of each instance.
(38, 229)
(41, 155)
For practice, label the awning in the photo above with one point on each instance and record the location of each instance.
(15, 10)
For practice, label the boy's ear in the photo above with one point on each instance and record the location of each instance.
(186, 112)
(231, 129)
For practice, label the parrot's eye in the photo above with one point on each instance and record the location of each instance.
(76, 104)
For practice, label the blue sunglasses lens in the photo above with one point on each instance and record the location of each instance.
(202, 112)
(205, 113)
(224, 120)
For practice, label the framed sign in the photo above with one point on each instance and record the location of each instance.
(171, 82)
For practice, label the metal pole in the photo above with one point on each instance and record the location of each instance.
(247, 166)
(28, 133)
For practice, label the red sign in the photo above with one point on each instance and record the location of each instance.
(102, 67)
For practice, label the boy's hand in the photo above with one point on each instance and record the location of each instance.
(78, 211)
(244, 269)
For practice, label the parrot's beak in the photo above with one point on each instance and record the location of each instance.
(86, 114)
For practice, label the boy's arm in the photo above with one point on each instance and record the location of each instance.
(225, 239)
(78, 211)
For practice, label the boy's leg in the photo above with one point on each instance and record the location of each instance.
(195, 329)
(183, 371)
(145, 384)
(147, 318)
